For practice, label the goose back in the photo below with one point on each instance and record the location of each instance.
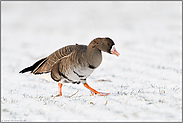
(46, 64)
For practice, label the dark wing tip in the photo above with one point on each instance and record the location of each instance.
(26, 70)
(34, 67)
(21, 71)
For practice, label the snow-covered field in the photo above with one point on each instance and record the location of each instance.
(144, 82)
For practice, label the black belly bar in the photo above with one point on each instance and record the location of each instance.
(78, 74)
(74, 82)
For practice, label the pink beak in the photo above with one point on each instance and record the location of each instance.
(114, 51)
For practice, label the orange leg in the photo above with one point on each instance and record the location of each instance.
(60, 89)
(94, 91)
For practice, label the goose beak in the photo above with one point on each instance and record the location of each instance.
(114, 51)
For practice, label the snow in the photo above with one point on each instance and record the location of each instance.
(144, 82)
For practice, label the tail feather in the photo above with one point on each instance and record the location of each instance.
(34, 67)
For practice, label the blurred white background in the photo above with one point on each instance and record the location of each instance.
(145, 81)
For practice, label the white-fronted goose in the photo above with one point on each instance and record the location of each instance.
(74, 63)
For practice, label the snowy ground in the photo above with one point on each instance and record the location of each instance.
(144, 82)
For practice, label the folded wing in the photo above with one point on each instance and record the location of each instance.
(45, 65)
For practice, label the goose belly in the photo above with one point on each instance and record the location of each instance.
(79, 74)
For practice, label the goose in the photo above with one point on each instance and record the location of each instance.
(74, 63)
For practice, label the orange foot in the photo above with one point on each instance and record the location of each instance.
(59, 89)
(94, 92)
(100, 94)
